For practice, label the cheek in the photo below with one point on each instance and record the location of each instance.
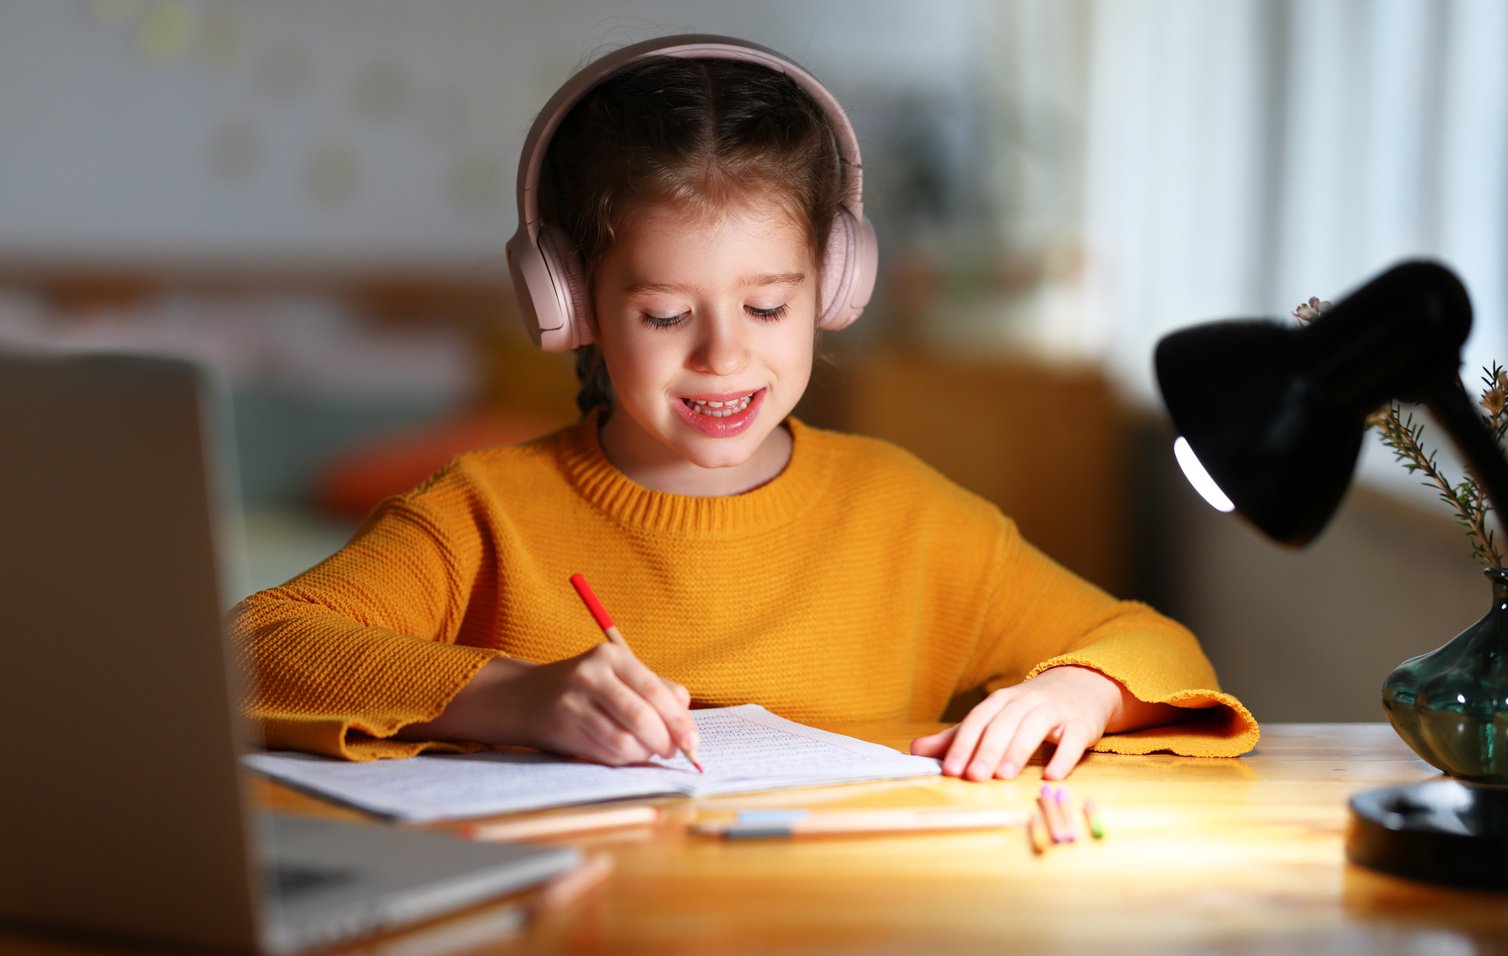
(803, 365)
(635, 358)
(791, 357)
(799, 342)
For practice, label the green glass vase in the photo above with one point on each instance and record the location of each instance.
(1451, 705)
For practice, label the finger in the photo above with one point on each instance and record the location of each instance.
(604, 677)
(933, 745)
(636, 717)
(1076, 737)
(661, 718)
(992, 756)
(966, 734)
(596, 679)
(592, 734)
(689, 736)
(1032, 729)
(682, 695)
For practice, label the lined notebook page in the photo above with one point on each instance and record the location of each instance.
(743, 749)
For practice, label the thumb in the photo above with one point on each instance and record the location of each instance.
(934, 745)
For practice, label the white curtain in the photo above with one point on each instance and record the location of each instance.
(1242, 155)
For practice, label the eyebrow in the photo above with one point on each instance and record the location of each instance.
(762, 279)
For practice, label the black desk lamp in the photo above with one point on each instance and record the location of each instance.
(1275, 413)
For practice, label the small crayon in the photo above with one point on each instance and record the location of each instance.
(1036, 830)
(1092, 816)
(1044, 809)
(1068, 810)
(1052, 812)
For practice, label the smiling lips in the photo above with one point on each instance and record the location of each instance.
(718, 409)
(722, 416)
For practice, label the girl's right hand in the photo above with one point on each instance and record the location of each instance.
(603, 705)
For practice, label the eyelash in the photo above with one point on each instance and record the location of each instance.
(671, 321)
(770, 315)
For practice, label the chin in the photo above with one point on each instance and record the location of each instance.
(729, 456)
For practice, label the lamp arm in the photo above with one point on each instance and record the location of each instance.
(1449, 403)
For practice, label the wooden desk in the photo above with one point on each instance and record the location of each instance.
(1207, 855)
(1201, 855)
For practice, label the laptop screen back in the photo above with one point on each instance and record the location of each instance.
(122, 795)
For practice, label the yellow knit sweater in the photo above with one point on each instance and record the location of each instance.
(858, 585)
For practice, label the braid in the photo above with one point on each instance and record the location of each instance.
(596, 388)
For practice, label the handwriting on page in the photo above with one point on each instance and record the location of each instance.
(442, 787)
(734, 745)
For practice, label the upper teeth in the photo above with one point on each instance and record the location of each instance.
(719, 409)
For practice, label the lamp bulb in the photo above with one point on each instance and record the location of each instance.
(1200, 478)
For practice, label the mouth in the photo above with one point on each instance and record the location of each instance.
(724, 407)
(722, 414)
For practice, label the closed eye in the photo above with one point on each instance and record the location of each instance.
(663, 321)
(769, 315)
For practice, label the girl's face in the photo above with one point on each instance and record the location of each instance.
(707, 326)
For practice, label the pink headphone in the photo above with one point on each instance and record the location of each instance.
(547, 275)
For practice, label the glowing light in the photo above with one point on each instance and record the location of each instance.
(1200, 478)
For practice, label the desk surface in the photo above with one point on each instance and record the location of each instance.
(1200, 855)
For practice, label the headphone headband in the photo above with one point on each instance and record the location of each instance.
(554, 321)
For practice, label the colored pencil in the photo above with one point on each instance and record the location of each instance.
(793, 823)
(1068, 812)
(614, 636)
(1036, 831)
(1052, 813)
(563, 823)
(1092, 815)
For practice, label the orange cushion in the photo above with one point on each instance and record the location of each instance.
(352, 483)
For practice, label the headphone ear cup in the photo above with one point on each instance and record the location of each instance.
(566, 272)
(848, 271)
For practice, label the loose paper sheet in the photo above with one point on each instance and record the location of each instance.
(743, 749)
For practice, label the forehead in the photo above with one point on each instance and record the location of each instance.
(681, 231)
(766, 214)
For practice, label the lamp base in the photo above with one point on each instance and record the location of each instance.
(1439, 831)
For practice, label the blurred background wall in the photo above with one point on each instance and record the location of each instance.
(313, 198)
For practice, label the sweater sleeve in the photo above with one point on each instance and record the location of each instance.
(340, 658)
(1042, 615)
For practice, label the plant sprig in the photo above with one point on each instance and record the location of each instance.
(1405, 438)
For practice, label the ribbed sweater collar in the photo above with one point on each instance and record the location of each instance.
(771, 505)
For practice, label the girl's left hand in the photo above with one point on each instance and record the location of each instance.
(1068, 706)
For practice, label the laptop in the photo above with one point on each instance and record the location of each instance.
(123, 796)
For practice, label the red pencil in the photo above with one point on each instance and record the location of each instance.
(610, 630)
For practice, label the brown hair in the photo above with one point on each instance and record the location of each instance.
(700, 133)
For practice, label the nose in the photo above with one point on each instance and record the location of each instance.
(721, 347)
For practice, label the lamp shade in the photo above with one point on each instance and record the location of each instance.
(1275, 412)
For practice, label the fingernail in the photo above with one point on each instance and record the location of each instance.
(1007, 770)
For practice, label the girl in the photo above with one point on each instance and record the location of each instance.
(697, 220)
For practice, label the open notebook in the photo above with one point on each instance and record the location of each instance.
(123, 798)
(744, 749)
